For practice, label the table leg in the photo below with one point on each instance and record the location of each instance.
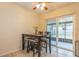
(28, 46)
(23, 43)
(39, 52)
(50, 45)
(39, 48)
(46, 47)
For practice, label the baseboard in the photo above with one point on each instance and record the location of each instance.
(3, 54)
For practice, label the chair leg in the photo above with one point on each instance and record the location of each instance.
(28, 46)
(50, 48)
(50, 45)
(46, 47)
(33, 53)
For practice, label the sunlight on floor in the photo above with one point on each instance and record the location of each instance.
(63, 44)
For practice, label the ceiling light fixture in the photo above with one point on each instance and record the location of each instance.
(38, 6)
(41, 6)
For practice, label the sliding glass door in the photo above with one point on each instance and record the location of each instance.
(65, 30)
(61, 32)
(51, 27)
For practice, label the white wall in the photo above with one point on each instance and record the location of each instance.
(14, 20)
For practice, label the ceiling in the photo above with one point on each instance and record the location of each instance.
(50, 5)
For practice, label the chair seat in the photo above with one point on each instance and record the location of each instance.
(34, 41)
(28, 37)
(44, 40)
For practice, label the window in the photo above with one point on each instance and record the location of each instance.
(64, 27)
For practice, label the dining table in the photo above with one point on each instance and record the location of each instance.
(39, 37)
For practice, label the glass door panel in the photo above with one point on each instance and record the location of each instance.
(53, 34)
(51, 27)
(65, 33)
(69, 32)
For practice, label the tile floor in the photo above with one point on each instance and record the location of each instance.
(55, 53)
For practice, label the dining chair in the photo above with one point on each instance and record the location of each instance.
(32, 45)
(27, 43)
(44, 40)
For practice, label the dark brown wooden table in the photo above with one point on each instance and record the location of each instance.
(39, 41)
